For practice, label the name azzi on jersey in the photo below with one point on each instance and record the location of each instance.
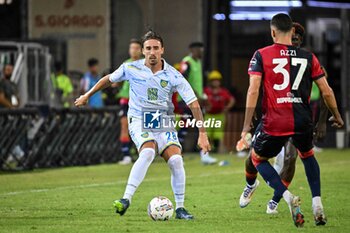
(284, 52)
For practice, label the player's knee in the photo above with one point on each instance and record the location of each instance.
(291, 153)
(147, 154)
(175, 161)
(307, 154)
(255, 159)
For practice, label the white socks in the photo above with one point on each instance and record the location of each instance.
(287, 196)
(138, 171)
(316, 202)
(201, 153)
(178, 179)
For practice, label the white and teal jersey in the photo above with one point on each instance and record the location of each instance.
(152, 91)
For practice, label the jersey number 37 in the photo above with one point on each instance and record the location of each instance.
(280, 68)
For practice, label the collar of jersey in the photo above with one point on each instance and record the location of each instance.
(164, 68)
(282, 44)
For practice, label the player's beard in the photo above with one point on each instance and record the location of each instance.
(152, 60)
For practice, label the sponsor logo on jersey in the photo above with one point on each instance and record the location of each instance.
(290, 94)
(294, 100)
(253, 61)
(152, 93)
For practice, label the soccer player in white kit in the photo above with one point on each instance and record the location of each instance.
(152, 83)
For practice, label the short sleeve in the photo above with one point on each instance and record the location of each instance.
(118, 75)
(316, 71)
(184, 89)
(256, 64)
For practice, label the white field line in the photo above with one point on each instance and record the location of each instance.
(109, 184)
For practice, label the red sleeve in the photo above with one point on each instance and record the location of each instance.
(316, 71)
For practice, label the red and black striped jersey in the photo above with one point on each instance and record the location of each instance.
(287, 74)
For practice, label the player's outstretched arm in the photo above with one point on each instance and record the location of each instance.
(330, 101)
(203, 141)
(100, 85)
(252, 99)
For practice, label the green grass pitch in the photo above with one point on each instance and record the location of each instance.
(79, 199)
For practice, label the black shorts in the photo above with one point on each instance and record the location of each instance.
(269, 146)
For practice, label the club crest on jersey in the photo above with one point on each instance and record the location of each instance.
(253, 61)
(163, 83)
(145, 135)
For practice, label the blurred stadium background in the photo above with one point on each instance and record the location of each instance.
(36, 34)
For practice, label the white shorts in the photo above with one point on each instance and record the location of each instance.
(162, 139)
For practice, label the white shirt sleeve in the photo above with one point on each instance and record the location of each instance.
(118, 75)
(185, 90)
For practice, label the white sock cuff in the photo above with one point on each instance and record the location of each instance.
(316, 201)
(287, 196)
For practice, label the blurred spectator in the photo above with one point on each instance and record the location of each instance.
(135, 53)
(9, 99)
(89, 80)
(62, 85)
(8, 89)
(191, 69)
(219, 102)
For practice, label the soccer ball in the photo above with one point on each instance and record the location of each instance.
(160, 208)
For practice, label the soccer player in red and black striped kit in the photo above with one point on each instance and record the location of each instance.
(286, 74)
(285, 161)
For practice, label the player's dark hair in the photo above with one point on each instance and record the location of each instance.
(282, 22)
(299, 29)
(196, 44)
(135, 41)
(152, 35)
(92, 62)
